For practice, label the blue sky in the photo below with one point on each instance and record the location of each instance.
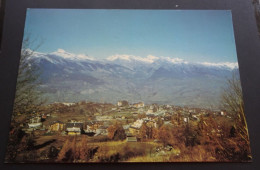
(193, 35)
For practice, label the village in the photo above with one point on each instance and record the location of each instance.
(124, 131)
(65, 120)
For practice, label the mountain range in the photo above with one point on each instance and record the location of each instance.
(67, 77)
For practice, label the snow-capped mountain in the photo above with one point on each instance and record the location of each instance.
(69, 77)
(60, 54)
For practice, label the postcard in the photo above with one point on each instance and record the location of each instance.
(117, 85)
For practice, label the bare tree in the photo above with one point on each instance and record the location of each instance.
(232, 102)
(27, 98)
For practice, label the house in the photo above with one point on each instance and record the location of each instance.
(74, 131)
(74, 128)
(102, 130)
(186, 119)
(138, 105)
(35, 122)
(223, 113)
(104, 118)
(149, 112)
(126, 127)
(135, 127)
(137, 124)
(92, 126)
(56, 126)
(194, 117)
(35, 125)
(68, 104)
(36, 119)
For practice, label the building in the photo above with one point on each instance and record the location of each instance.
(138, 123)
(68, 104)
(149, 112)
(74, 128)
(35, 125)
(36, 119)
(74, 131)
(223, 113)
(102, 130)
(186, 119)
(56, 126)
(139, 105)
(104, 118)
(135, 127)
(35, 122)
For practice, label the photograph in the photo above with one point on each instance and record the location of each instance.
(128, 85)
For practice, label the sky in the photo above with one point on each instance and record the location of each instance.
(192, 35)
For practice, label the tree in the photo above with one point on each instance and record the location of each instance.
(84, 149)
(177, 119)
(72, 151)
(165, 134)
(141, 115)
(27, 98)
(159, 122)
(232, 101)
(16, 137)
(144, 131)
(65, 152)
(116, 132)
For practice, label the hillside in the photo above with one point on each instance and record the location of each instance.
(67, 77)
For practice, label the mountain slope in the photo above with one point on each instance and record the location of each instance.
(67, 77)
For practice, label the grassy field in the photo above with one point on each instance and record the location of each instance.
(110, 151)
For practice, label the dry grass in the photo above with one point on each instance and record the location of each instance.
(122, 151)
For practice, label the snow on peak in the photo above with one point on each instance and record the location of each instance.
(66, 55)
(129, 58)
(154, 59)
(61, 50)
(224, 64)
(32, 54)
(62, 53)
(151, 57)
(121, 57)
(174, 60)
(147, 59)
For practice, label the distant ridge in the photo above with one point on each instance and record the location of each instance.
(68, 77)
